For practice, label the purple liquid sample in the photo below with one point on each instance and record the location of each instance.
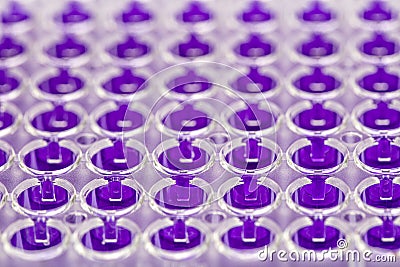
(256, 12)
(317, 13)
(44, 158)
(234, 238)
(1, 194)
(186, 119)
(382, 155)
(25, 239)
(4, 156)
(374, 237)
(129, 48)
(326, 198)
(8, 83)
(195, 12)
(94, 239)
(317, 46)
(184, 157)
(181, 195)
(117, 158)
(74, 12)
(56, 120)
(63, 83)
(10, 48)
(378, 12)
(68, 47)
(252, 118)
(191, 48)
(254, 47)
(249, 195)
(121, 120)
(189, 83)
(125, 83)
(15, 13)
(382, 196)
(379, 46)
(255, 82)
(135, 13)
(317, 156)
(165, 238)
(381, 118)
(304, 238)
(317, 118)
(380, 81)
(6, 120)
(32, 198)
(251, 156)
(101, 198)
(317, 82)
